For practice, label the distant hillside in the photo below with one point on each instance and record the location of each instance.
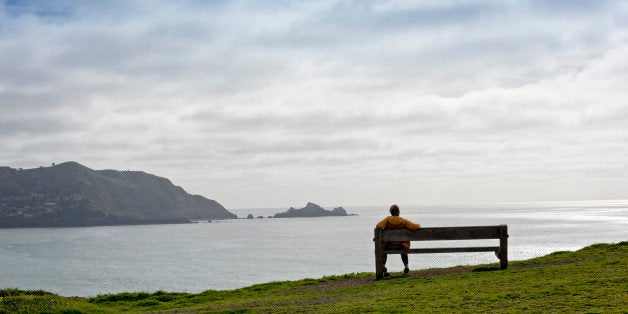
(70, 194)
(311, 210)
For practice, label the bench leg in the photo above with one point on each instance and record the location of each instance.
(379, 260)
(503, 247)
(379, 265)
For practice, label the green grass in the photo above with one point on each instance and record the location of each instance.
(593, 279)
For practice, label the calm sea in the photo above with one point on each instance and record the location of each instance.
(237, 253)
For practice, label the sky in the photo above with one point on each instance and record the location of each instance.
(260, 104)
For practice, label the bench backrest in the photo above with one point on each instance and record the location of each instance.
(442, 233)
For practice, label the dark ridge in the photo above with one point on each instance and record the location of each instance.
(70, 194)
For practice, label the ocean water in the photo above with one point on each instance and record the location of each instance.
(237, 253)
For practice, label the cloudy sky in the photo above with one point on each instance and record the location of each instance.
(277, 103)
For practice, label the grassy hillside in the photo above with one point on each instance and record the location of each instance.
(593, 279)
(70, 194)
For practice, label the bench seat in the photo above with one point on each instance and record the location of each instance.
(446, 250)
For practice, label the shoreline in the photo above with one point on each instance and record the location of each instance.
(557, 282)
(415, 273)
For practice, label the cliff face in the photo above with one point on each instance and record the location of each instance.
(71, 194)
(311, 210)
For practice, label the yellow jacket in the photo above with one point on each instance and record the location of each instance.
(392, 222)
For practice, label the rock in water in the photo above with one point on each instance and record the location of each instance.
(311, 210)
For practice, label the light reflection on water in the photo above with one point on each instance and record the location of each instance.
(238, 253)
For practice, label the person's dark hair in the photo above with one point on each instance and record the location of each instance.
(394, 210)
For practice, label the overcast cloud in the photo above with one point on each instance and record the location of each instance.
(277, 103)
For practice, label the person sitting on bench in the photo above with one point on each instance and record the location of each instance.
(391, 222)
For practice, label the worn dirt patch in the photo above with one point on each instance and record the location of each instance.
(341, 283)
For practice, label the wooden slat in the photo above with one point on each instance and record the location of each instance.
(446, 250)
(442, 233)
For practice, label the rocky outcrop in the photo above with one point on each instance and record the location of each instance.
(311, 210)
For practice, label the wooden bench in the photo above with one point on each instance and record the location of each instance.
(442, 233)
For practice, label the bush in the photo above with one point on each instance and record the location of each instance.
(120, 297)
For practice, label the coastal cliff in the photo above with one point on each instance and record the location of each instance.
(70, 194)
